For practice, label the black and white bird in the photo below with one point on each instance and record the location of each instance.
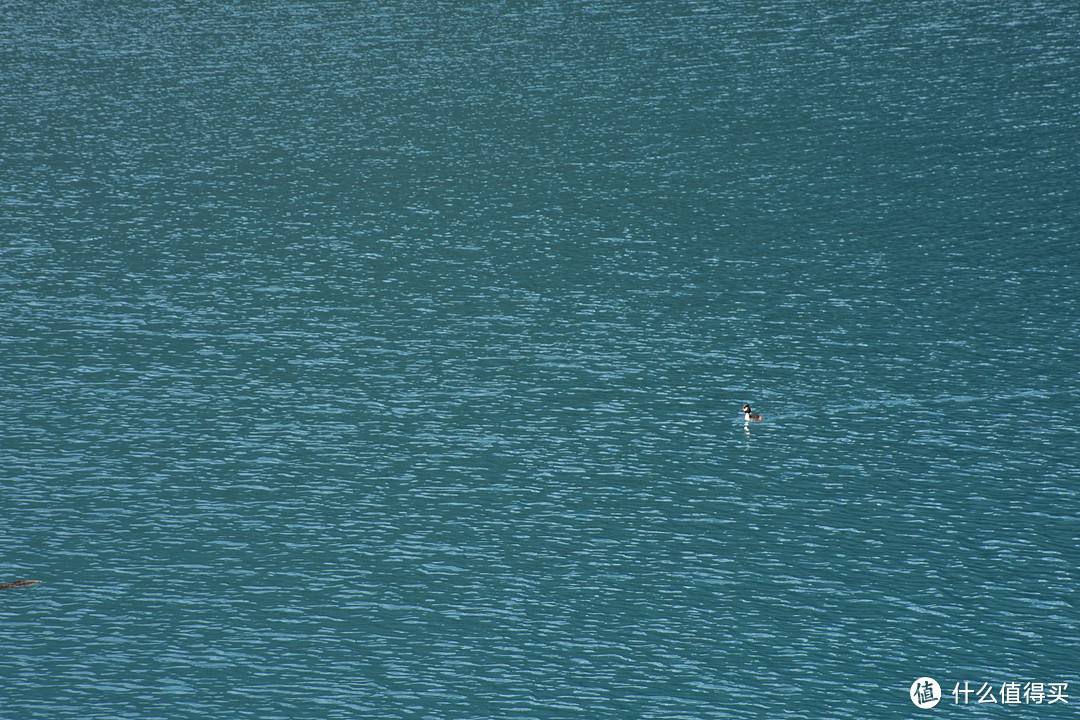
(751, 416)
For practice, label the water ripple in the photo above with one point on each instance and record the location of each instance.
(368, 361)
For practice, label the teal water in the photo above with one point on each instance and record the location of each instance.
(384, 360)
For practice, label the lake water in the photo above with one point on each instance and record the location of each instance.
(384, 359)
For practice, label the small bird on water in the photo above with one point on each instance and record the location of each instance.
(751, 416)
(18, 583)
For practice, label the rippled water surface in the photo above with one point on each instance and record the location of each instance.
(384, 360)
